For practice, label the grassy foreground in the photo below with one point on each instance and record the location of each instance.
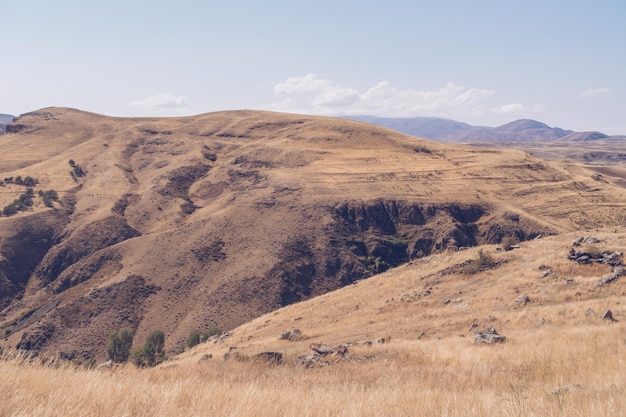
(547, 372)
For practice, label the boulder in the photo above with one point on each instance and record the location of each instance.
(617, 272)
(323, 350)
(608, 315)
(488, 336)
(105, 365)
(272, 358)
(291, 335)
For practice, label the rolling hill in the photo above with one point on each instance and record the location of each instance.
(213, 220)
(526, 135)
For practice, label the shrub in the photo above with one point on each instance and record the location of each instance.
(193, 339)
(30, 181)
(120, 342)
(153, 351)
(211, 332)
(10, 210)
(508, 242)
(482, 261)
(77, 171)
(48, 197)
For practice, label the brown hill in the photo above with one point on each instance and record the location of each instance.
(212, 220)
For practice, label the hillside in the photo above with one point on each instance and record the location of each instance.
(402, 343)
(213, 220)
(438, 298)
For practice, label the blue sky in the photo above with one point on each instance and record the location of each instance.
(480, 62)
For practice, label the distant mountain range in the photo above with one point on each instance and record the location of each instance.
(519, 131)
(5, 119)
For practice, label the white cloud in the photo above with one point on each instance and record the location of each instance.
(163, 104)
(594, 92)
(297, 85)
(314, 95)
(518, 109)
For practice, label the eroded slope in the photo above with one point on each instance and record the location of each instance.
(212, 220)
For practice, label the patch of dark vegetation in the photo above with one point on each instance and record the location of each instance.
(27, 181)
(48, 197)
(23, 203)
(77, 171)
(231, 135)
(153, 351)
(152, 131)
(180, 179)
(210, 253)
(121, 205)
(120, 343)
(422, 149)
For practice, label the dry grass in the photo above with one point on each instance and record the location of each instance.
(559, 359)
(572, 372)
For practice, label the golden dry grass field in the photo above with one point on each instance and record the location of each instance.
(560, 358)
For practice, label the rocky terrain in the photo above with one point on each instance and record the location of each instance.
(213, 220)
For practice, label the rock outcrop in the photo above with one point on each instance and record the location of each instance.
(488, 336)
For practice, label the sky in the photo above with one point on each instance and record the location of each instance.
(481, 62)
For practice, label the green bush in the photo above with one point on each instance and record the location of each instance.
(48, 197)
(483, 261)
(22, 203)
(211, 332)
(153, 351)
(120, 342)
(193, 339)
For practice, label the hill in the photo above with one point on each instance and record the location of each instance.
(432, 128)
(444, 130)
(212, 220)
(400, 343)
(526, 135)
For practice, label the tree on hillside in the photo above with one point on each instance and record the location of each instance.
(120, 342)
(153, 351)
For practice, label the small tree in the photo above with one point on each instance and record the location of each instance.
(153, 351)
(193, 339)
(120, 342)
